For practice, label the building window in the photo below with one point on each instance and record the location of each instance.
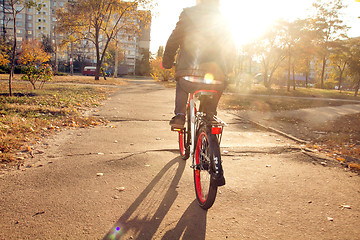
(29, 25)
(39, 20)
(29, 17)
(19, 39)
(18, 8)
(29, 32)
(19, 24)
(61, 4)
(19, 15)
(39, 28)
(44, 20)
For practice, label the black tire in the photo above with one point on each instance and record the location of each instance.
(206, 150)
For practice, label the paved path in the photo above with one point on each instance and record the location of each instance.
(126, 181)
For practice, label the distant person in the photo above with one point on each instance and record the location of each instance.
(205, 53)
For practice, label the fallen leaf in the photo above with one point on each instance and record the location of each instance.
(120, 189)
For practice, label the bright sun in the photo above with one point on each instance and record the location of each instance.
(250, 19)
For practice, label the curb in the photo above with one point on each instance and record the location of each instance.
(271, 129)
(309, 152)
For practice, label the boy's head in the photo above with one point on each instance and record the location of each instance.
(207, 1)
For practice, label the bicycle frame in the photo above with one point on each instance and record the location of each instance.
(197, 118)
(203, 146)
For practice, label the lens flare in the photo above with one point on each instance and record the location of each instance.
(208, 78)
(116, 233)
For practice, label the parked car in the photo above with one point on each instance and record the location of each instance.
(89, 71)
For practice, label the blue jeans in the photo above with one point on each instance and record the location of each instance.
(184, 87)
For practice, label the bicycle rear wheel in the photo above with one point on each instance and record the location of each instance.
(206, 150)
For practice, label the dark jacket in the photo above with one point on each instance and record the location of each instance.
(204, 42)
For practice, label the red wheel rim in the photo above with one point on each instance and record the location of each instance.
(202, 197)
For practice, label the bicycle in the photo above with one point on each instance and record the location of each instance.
(200, 140)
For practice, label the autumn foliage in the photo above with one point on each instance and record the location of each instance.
(158, 72)
(34, 57)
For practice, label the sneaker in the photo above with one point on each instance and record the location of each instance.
(178, 121)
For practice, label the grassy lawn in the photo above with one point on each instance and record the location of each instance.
(259, 98)
(75, 79)
(259, 89)
(30, 114)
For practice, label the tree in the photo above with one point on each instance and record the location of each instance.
(354, 63)
(305, 50)
(143, 64)
(290, 33)
(160, 52)
(114, 56)
(339, 58)
(100, 22)
(270, 51)
(13, 11)
(46, 42)
(329, 27)
(4, 53)
(34, 57)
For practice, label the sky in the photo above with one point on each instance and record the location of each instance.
(248, 19)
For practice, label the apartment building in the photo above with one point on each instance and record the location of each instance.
(30, 23)
(33, 24)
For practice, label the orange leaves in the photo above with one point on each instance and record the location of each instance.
(32, 53)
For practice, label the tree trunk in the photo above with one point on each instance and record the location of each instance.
(340, 81)
(294, 80)
(13, 53)
(357, 87)
(116, 57)
(97, 47)
(323, 72)
(289, 69)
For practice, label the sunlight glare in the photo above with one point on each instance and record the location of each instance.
(250, 19)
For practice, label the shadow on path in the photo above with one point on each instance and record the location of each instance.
(192, 224)
(145, 214)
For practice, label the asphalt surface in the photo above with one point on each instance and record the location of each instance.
(125, 180)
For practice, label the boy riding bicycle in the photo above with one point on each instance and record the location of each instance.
(205, 56)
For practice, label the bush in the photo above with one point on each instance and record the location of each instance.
(159, 73)
(327, 85)
(34, 74)
(60, 74)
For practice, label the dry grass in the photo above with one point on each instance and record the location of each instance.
(89, 80)
(75, 79)
(272, 104)
(259, 89)
(30, 114)
(343, 139)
